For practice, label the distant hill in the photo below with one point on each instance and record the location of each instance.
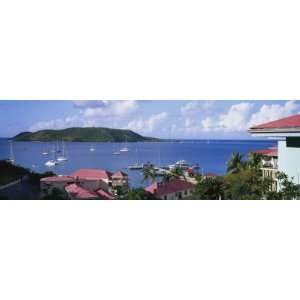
(84, 134)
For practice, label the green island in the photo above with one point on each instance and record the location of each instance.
(85, 134)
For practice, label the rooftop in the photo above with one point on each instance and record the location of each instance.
(92, 174)
(78, 192)
(173, 186)
(268, 152)
(63, 178)
(290, 124)
(103, 195)
(119, 174)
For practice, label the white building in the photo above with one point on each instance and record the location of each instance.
(287, 131)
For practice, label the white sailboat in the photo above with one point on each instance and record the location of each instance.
(63, 157)
(45, 152)
(136, 166)
(124, 149)
(92, 149)
(52, 162)
(116, 152)
(11, 155)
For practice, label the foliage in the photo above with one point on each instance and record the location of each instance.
(209, 188)
(235, 163)
(55, 194)
(288, 189)
(246, 184)
(86, 134)
(149, 174)
(254, 160)
(10, 172)
(135, 194)
(34, 178)
(175, 173)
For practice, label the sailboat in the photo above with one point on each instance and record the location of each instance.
(63, 156)
(57, 148)
(136, 166)
(92, 149)
(11, 155)
(124, 149)
(116, 152)
(45, 152)
(52, 162)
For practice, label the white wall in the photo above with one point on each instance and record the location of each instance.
(289, 161)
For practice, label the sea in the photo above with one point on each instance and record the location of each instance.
(211, 155)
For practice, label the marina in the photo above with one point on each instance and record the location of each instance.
(198, 154)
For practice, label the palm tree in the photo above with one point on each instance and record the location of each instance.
(175, 173)
(235, 163)
(254, 160)
(149, 174)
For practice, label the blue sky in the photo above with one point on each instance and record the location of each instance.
(167, 119)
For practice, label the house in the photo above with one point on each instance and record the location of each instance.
(287, 131)
(269, 165)
(86, 184)
(93, 179)
(48, 184)
(175, 189)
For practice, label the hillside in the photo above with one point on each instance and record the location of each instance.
(84, 134)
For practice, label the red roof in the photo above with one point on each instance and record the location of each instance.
(119, 174)
(267, 152)
(78, 192)
(164, 188)
(103, 195)
(289, 122)
(58, 179)
(210, 174)
(92, 174)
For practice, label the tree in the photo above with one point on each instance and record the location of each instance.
(209, 188)
(287, 189)
(175, 173)
(55, 194)
(140, 194)
(254, 160)
(248, 184)
(235, 163)
(149, 174)
(135, 194)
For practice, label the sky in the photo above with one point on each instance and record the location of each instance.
(166, 119)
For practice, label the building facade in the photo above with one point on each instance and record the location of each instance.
(287, 132)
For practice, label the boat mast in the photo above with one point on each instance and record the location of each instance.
(12, 158)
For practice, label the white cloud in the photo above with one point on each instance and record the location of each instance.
(236, 118)
(92, 113)
(147, 125)
(194, 107)
(117, 108)
(272, 112)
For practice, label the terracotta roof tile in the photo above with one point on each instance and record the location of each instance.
(78, 192)
(173, 186)
(92, 174)
(289, 122)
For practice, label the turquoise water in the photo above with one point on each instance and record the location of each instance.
(210, 155)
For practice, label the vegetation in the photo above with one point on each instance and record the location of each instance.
(10, 172)
(209, 188)
(55, 194)
(86, 134)
(175, 173)
(244, 181)
(149, 174)
(135, 194)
